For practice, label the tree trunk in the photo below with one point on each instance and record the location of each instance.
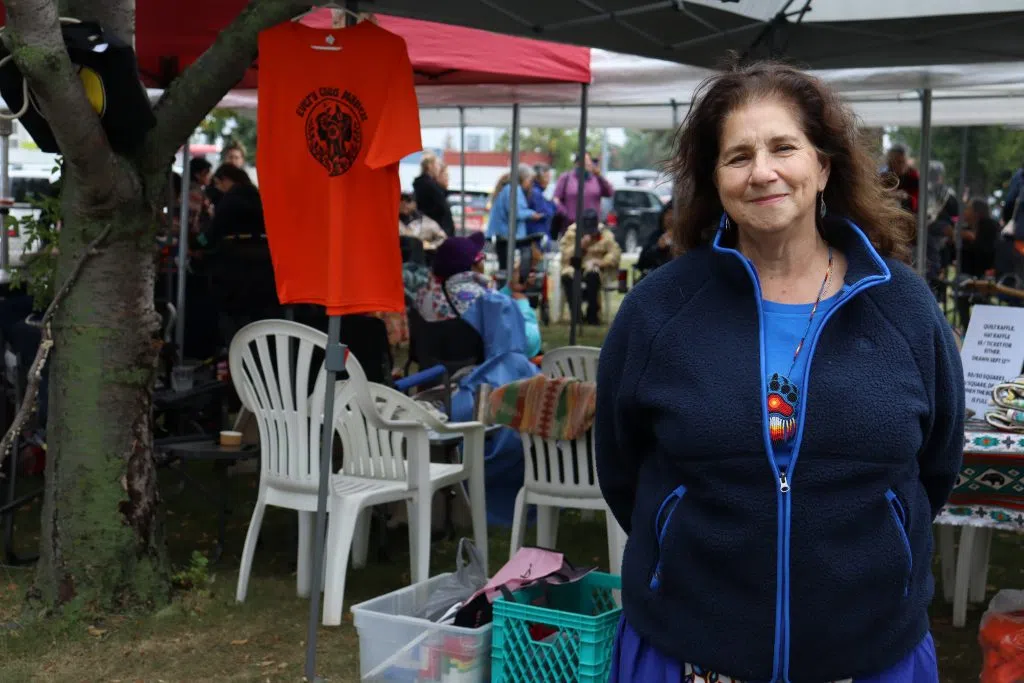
(102, 540)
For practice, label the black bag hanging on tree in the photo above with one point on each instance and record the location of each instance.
(109, 72)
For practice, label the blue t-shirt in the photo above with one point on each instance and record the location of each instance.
(784, 326)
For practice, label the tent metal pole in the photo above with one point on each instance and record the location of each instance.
(962, 182)
(6, 130)
(922, 169)
(577, 261)
(958, 240)
(179, 323)
(170, 223)
(462, 164)
(675, 114)
(513, 196)
(334, 363)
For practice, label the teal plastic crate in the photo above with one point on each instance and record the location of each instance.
(585, 618)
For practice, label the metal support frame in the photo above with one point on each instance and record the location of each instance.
(513, 196)
(462, 165)
(334, 363)
(581, 175)
(922, 197)
(179, 323)
(6, 130)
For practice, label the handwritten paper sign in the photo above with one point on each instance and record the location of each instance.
(993, 352)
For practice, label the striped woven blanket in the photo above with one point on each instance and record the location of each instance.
(551, 408)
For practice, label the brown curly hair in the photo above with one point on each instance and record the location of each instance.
(855, 189)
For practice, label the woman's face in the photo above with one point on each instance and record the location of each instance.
(768, 173)
(235, 158)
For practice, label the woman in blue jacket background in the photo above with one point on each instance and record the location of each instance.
(780, 409)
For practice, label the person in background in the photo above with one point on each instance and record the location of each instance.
(600, 255)
(412, 223)
(443, 179)
(233, 154)
(431, 196)
(497, 225)
(199, 171)
(908, 181)
(539, 203)
(242, 274)
(457, 279)
(658, 250)
(594, 188)
(780, 409)
(979, 235)
(200, 206)
(517, 291)
(942, 211)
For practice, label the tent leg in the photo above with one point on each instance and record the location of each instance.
(922, 168)
(170, 209)
(179, 324)
(5, 188)
(462, 164)
(513, 200)
(581, 171)
(334, 363)
(958, 237)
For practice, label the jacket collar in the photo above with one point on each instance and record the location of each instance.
(863, 260)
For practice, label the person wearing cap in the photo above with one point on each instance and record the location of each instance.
(457, 280)
(600, 255)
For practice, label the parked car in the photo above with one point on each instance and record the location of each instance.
(632, 214)
(476, 210)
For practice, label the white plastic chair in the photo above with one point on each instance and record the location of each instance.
(384, 460)
(563, 474)
(272, 369)
(578, 362)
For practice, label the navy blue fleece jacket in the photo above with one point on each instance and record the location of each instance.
(824, 575)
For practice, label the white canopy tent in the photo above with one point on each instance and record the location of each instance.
(638, 92)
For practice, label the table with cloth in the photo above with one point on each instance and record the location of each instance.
(988, 496)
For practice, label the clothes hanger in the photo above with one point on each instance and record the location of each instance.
(329, 39)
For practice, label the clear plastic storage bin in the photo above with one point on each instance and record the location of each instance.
(396, 646)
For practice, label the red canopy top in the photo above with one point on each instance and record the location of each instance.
(171, 35)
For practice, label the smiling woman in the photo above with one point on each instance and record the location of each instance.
(738, 567)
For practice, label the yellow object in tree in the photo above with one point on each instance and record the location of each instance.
(93, 89)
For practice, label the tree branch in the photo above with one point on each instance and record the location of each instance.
(35, 372)
(204, 83)
(34, 37)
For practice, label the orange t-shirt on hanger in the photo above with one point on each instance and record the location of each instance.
(332, 126)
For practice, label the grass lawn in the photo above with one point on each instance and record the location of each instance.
(207, 637)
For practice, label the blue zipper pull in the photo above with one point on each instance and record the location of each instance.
(783, 482)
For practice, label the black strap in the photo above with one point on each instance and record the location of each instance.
(444, 290)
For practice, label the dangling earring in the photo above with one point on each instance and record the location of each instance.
(822, 210)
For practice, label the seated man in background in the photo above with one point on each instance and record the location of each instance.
(599, 254)
(412, 223)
